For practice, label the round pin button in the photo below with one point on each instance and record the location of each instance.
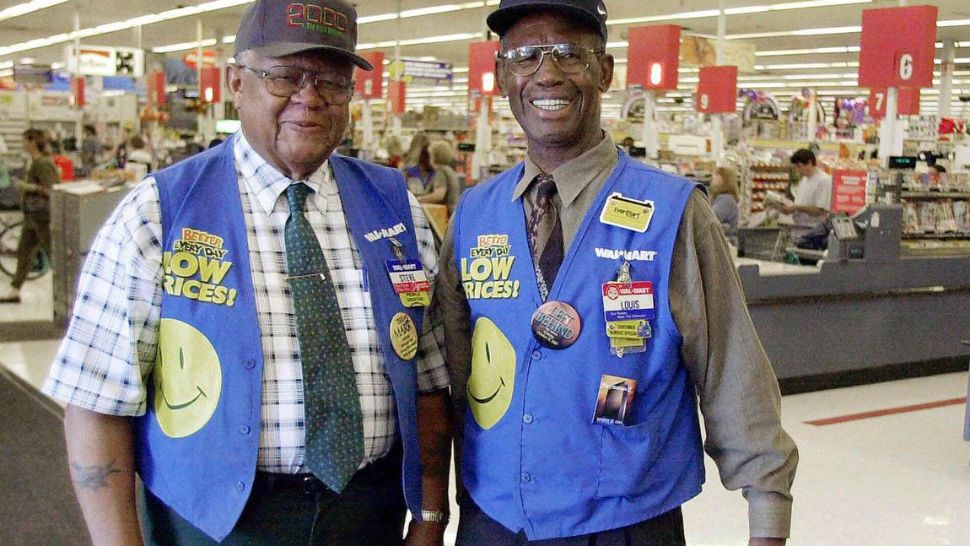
(556, 324)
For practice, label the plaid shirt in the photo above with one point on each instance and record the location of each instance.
(107, 355)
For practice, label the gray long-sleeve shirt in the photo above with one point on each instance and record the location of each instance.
(738, 391)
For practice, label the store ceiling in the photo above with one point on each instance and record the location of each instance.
(770, 30)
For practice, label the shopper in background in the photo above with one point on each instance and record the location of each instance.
(418, 171)
(35, 234)
(226, 344)
(724, 200)
(91, 149)
(394, 151)
(139, 155)
(562, 440)
(813, 196)
(445, 185)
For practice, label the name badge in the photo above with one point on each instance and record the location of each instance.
(623, 301)
(627, 213)
(409, 282)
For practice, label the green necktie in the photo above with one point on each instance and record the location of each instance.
(334, 429)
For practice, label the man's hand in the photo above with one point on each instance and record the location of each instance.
(26, 186)
(425, 534)
(760, 541)
(787, 209)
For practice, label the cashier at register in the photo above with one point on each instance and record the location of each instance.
(813, 196)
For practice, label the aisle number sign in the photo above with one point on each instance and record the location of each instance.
(897, 47)
(717, 89)
(654, 56)
(907, 103)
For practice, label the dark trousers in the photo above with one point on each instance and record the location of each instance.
(475, 528)
(289, 511)
(35, 234)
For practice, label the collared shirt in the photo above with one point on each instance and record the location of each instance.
(109, 350)
(728, 366)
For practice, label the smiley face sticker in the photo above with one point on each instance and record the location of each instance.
(187, 377)
(493, 374)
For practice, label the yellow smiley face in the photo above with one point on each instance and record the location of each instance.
(187, 377)
(493, 374)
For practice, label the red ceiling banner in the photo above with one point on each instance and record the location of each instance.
(481, 68)
(210, 84)
(907, 102)
(654, 56)
(156, 87)
(369, 83)
(897, 47)
(396, 92)
(717, 91)
(209, 58)
(77, 92)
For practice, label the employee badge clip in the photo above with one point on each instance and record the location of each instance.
(408, 278)
(628, 308)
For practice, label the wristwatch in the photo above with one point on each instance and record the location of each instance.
(435, 516)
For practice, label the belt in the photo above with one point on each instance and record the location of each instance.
(270, 483)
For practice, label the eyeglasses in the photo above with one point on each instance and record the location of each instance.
(526, 60)
(285, 81)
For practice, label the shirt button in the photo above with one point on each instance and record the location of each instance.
(537, 355)
(250, 364)
(244, 429)
(527, 418)
(240, 486)
(526, 477)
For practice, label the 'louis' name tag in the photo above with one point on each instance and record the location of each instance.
(627, 213)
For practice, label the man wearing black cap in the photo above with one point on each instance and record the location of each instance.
(250, 333)
(589, 303)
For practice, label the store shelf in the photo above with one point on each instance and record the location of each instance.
(954, 236)
(932, 195)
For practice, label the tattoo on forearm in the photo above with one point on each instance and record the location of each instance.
(93, 477)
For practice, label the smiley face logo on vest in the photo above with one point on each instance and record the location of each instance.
(493, 374)
(187, 377)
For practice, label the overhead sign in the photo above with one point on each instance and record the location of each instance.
(408, 70)
(396, 97)
(369, 81)
(481, 68)
(104, 61)
(907, 102)
(897, 47)
(32, 74)
(654, 56)
(717, 89)
(209, 58)
(698, 51)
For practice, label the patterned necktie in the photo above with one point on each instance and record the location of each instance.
(544, 225)
(333, 424)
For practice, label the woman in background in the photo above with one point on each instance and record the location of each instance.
(445, 185)
(418, 171)
(724, 200)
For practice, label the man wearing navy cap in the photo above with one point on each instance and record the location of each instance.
(590, 303)
(250, 334)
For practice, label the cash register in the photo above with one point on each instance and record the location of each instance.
(872, 234)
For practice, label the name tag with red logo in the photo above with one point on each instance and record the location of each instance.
(410, 282)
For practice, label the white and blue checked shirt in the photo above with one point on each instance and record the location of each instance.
(106, 358)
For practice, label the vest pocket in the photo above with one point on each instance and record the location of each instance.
(626, 456)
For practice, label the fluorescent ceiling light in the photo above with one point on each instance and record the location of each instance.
(743, 10)
(801, 66)
(184, 46)
(421, 41)
(812, 51)
(27, 7)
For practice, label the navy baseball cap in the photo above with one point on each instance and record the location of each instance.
(591, 12)
(276, 28)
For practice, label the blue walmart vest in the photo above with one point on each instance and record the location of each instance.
(533, 459)
(198, 441)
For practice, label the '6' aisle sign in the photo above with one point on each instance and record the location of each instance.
(897, 47)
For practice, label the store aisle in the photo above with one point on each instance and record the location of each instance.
(900, 479)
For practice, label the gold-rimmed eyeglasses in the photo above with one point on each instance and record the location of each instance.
(526, 60)
(285, 81)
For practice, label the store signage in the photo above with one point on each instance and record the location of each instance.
(698, 51)
(907, 102)
(902, 162)
(396, 92)
(77, 92)
(897, 47)
(848, 191)
(481, 68)
(409, 70)
(369, 82)
(104, 61)
(654, 57)
(209, 58)
(717, 90)
(687, 144)
(210, 84)
(156, 87)
(32, 74)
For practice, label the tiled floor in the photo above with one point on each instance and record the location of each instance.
(897, 480)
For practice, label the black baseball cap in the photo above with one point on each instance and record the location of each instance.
(591, 12)
(276, 28)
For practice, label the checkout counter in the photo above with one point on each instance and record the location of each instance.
(865, 313)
